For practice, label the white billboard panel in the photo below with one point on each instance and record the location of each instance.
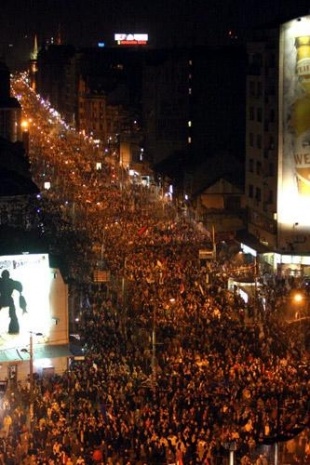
(33, 301)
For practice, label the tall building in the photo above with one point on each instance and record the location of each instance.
(10, 109)
(193, 102)
(52, 62)
(33, 65)
(96, 115)
(277, 184)
(166, 104)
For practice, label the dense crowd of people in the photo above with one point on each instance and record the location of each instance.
(177, 370)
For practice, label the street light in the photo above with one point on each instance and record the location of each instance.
(154, 374)
(31, 361)
(231, 446)
(25, 135)
(299, 302)
(31, 380)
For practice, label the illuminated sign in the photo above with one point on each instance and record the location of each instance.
(294, 135)
(33, 301)
(206, 254)
(131, 39)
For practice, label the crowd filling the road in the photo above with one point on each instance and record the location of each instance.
(177, 369)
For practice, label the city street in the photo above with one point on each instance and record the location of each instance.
(177, 368)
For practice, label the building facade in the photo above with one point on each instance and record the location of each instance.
(193, 103)
(10, 109)
(277, 155)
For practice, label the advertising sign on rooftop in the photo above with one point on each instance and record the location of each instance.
(131, 39)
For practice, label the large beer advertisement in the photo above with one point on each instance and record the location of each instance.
(32, 301)
(294, 156)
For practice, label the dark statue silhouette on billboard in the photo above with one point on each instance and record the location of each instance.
(7, 287)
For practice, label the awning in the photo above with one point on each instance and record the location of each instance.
(46, 351)
(52, 351)
(252, 241)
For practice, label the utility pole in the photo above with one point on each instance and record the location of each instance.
(154, 348)
(31, 379)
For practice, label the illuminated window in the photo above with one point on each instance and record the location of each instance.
(189, 124)
(189, 140)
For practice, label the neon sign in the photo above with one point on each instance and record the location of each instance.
(131, 39)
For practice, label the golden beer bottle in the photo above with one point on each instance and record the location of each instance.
(302, 45)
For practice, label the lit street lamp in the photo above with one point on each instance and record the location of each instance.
(25, 135)
(299, 303)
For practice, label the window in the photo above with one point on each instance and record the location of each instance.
(251, 191)
(259, 89)
(258, 168)
(251, 165)
(271, 169)
(251, 114)
(272, 60)
(252, 88)
(259, 141)
(251, 139)
(258, 194)
(271, 143)
(259, 115)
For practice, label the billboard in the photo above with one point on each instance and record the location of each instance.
(33, 301)
(131, 39)
(294, 135)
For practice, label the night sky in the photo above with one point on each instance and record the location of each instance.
(168, 22)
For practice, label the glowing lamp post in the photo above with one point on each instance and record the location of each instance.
(298, 303)
(25, 135)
